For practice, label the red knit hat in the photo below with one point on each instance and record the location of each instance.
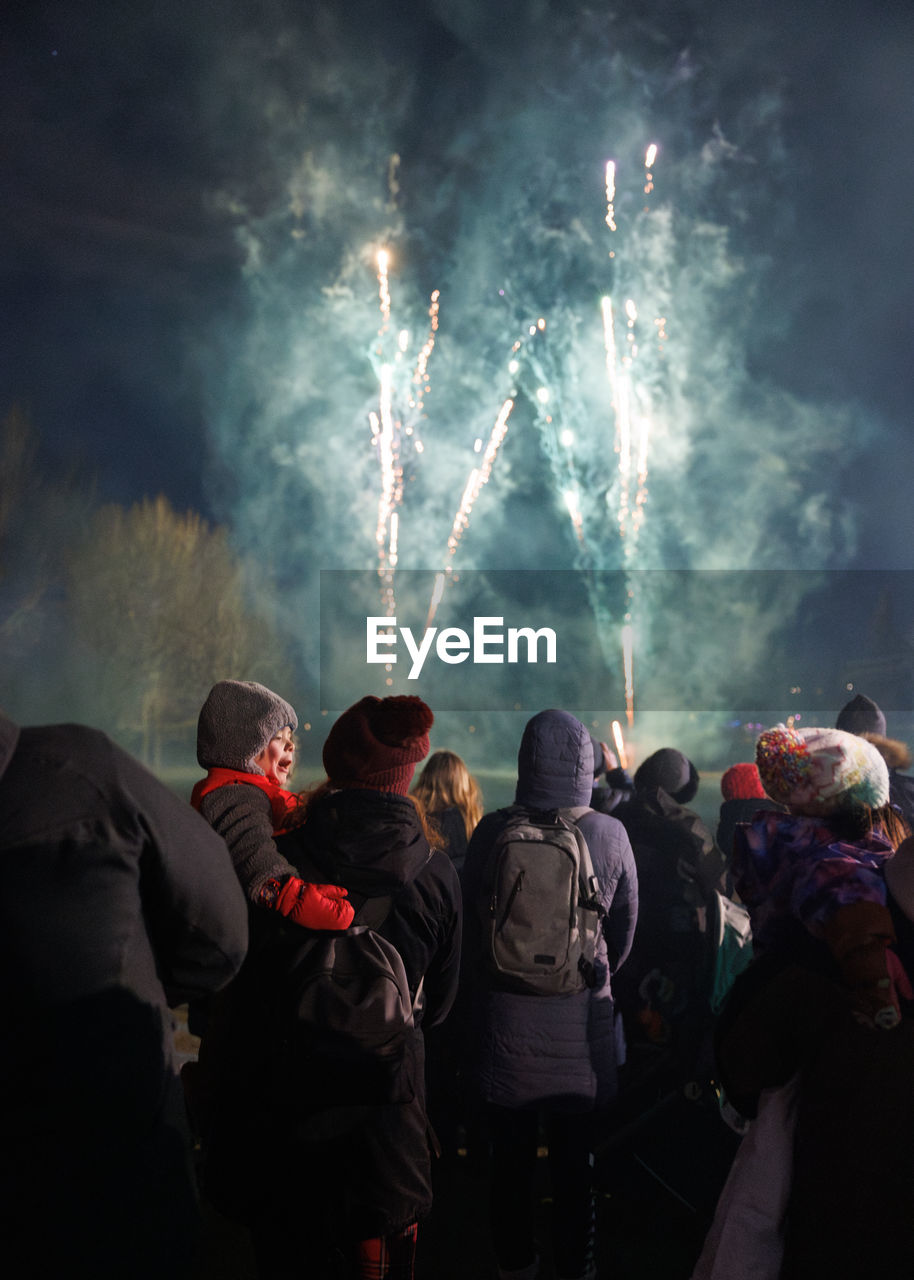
(742, 782)
(377, 743)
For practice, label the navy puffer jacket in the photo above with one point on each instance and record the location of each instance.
(555, 1051)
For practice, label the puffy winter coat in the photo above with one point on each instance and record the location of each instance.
(116, 901)
(559, 1051)
(344, 1172)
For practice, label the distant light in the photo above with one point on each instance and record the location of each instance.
(567, 437)
(543, 395)
(477, 445)
(513, 366)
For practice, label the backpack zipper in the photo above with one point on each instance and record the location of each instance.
(515, 890)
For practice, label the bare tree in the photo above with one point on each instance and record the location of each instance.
(18, 482)
(158, 599)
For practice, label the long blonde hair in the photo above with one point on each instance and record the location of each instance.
(444, 783)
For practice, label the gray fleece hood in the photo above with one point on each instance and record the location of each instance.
(237, 720)
(554, 763)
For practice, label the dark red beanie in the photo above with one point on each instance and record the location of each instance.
(377, 743)
(742, 782)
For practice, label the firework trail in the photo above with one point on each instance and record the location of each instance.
(602, 483)
(630, 400)
(477, 479)
(395, 430)
(594, 494)
(619, 742)
(395, 426)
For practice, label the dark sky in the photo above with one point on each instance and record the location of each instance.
(194, 194)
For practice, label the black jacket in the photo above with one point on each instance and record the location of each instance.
(116, 900)
(372, 1176)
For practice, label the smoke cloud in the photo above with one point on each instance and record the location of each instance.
(470, 143)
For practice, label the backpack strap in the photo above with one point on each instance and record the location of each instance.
(572, 813)
(576, 812)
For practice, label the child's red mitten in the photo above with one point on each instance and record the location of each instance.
(316, 906)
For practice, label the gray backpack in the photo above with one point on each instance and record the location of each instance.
(539, 905)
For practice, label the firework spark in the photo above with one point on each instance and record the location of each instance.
(628, 671)
(610, 194)
(383, 261)
(479, 477)
(619, 744)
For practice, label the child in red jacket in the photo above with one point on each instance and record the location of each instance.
(244, 741)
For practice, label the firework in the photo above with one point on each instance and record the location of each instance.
(619, 744)
(383, 261)
(479, 477)
(649, 158)
(628, 671)
(610, 194)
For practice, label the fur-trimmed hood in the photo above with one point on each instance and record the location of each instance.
(896, 754)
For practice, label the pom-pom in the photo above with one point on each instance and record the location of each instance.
(742, 782)
(820, 771)
(401, 719)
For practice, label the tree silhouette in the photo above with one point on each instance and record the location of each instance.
(157, 601)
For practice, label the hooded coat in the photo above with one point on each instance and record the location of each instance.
(664, 993)
(116, 901)
(561, 1052)
(357, 1171)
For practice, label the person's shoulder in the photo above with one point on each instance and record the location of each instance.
(604, 831)
(596, 820)
(440, 867)
(62, 738)
(77, 751)
(490, 824)
(235, 797)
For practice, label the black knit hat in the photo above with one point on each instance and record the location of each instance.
(377, 743)
(237, 721)
(671, 771)
(861, 715)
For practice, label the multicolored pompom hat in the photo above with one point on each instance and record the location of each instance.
(821, 771)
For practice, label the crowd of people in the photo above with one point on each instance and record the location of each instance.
(384, 978)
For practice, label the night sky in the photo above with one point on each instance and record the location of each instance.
(194, 196)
